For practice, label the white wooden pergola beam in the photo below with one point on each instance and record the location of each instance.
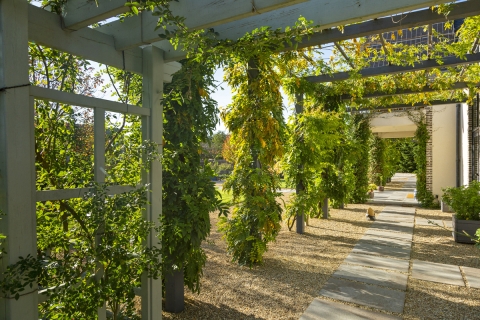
(64, 194)
(79, 14)
(326, 14)
(45, 28)
(198, 14)
(403, 107)
(455, 86)
(381, 25)
(372, 72)
(84, 101)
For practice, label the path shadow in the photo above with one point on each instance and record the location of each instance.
(195, 309)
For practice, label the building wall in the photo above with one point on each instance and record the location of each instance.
(444, 147)
(466, 145)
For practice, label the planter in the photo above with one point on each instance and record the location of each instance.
(371, 194)
(381, 188)
(469, 226)
(174, 292)
(445, 207)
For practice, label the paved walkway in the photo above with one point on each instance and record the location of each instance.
(403, 196)
(376, 272)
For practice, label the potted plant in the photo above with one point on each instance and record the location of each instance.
(381, 187)
(371, 187)
(465, 202)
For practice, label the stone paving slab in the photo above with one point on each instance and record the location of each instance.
(396, 216)
(378, 262)
(378, 277)
(364, 294)
(397, 227)
(406, 236)
(392, 219)
(443, 223)
(328, 310)
(381, 250)
(437, 272)
(473, 276)
(400, 210)
(387, 241)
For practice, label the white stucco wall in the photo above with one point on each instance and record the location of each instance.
(443, 147)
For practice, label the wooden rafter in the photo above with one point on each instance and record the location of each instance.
(141, 30)
(347, 58)
(424, 65)
(456, 86)
(381, 25)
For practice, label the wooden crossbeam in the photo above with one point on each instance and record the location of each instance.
(371, 72)
(408, 106)
(45, 28)
(327, 14)
(456, 86)
(79, 14)
(198, 14)
(84, 101)
(376, 26)
(64, 194)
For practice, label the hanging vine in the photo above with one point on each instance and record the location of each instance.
(188, 193)
(257, 129)
(362, 138)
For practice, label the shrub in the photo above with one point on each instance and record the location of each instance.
(464, 200)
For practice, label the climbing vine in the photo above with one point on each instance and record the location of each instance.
(189, 196)
(422, 136)
(362, 137)
(257, 128)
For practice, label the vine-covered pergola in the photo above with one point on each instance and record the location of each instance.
(134, 44)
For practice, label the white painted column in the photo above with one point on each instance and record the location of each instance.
(153, 66)
(99, 173)
(17, 153)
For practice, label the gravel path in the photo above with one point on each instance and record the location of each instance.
(295, 268)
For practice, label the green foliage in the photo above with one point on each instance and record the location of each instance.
(188, 194)
(312, 140)
(464, 200)
(257, 133)
(362, 137)
(424, 196)
(256, 217)
(212, 149)
(96, 245)
(378, 161)
(222, 170)
(477, 239)
(406, 162)
(100, 255)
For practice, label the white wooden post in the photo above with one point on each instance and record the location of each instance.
(152, 129)
(99, 144)
(99, 173)
(17, 153)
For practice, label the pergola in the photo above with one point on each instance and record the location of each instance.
(135, 46)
